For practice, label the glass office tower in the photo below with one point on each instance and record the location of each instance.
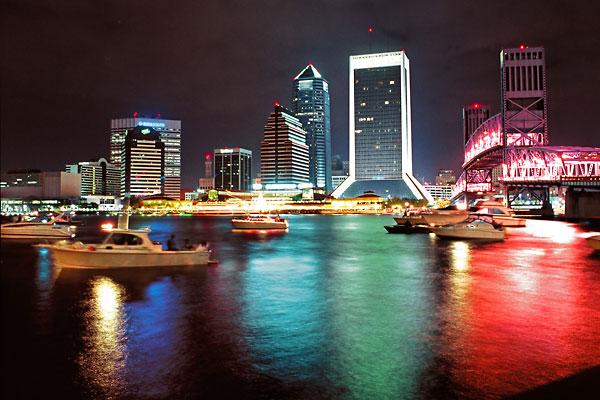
(283, 152)
(310, 104)
(380, 129)
(170, 134)
(233, 169)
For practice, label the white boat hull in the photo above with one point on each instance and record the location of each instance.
(469, 231)
(510, 221)
(35, 231)
(108, 258)
(594, 242)
(439, 219)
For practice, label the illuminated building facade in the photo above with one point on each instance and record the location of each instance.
(142, 163)
(523, 79)
(310, 104)
(283, 152)
(380, 129)
(445, 177)
(97, 177)
(170, 134)
(233, 169)
(473, 116)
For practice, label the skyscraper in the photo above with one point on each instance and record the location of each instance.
(283, 151)
(380, 128)
(310, 104)
(473, 116)
(170, 135)
(97, 177)
(233, 169)
(142, 163)
(524, 106)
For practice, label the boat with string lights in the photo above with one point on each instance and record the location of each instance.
(260, 222)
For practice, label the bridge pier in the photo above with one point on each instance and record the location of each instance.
(582, 203)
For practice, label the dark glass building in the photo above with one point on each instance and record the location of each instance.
(310, 104)
(142, 163)
(233, 169)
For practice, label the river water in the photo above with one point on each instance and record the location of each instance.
(333, 308)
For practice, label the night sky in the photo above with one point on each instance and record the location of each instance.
(68, 67)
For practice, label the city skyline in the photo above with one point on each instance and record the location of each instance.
(66, 78)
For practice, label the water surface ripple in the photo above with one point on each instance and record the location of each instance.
(333, 308)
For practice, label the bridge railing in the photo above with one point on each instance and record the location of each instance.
(487, 136)
(550, 164)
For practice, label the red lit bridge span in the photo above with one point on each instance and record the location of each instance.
(523, 165)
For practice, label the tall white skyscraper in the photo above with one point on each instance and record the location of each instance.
(170, 134)
(380, 128)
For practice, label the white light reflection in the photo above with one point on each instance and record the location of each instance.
(556, 231)
(103, 359)
(460, 262)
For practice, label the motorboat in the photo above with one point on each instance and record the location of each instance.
(474, 227)
(407, 228)
(594, 242)
(500, 214)
(125, 248)
(35, 229)
(413, 219)
(445, 216)
(260, 222)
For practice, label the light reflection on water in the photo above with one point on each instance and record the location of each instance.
(102, 360)
(335, 307)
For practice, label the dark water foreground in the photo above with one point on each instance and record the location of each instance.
(333, 308)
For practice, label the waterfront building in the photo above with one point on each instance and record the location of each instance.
(524, 115)
(142, 163)
(98, 177)
(310, 104)
(33, 183)
(170, 134)
(445, 177)
(440, 192)
(380, 129)
(284, 154)
(233, 169)
(473, 116)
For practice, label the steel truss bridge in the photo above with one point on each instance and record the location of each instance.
(520, 167)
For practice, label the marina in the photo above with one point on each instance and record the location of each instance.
(333, 307)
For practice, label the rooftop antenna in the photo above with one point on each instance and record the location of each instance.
(370, 31)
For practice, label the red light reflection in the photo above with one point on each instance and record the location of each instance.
(523, 315)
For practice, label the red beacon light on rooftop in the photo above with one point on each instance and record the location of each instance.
(523, 47)
(135, 114)
(370, 30)
(276, 104)
(207, 156)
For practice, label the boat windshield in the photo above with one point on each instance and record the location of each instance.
(121, 239)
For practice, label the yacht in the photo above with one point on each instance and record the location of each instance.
(500, 214)
(474, 227)
(125, 248)
(445, 216)
(35, 229)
